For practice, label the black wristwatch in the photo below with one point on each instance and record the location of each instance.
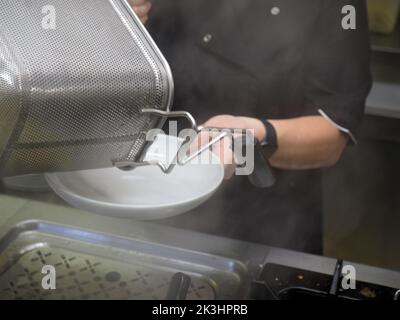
(270, 144)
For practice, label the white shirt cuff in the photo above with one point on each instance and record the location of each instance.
(340, 128)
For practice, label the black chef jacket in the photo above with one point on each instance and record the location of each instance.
(275, 59)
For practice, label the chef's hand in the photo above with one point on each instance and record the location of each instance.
(233, 122)
(223, 149)
(308, 142)
(141, 8)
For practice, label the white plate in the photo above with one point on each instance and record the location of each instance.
(145, 193)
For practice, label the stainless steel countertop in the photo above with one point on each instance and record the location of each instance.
(254, 256)
(384, 99)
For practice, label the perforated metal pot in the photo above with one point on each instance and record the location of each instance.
(72, 88)
(81, 85)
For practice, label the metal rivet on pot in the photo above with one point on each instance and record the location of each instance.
(275, 11)
(207, 38)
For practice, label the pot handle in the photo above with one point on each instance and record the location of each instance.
(179, 287)
(262, 176)
(167, 168)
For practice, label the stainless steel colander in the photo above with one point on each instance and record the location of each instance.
(81, 85)
(74, 78)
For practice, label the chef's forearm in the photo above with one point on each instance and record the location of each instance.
(307, 143)
(304, 143)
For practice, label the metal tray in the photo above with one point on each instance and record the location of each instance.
(91, 265)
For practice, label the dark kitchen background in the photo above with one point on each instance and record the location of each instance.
(361, 193)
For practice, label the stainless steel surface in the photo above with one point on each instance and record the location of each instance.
(30, 183)
(70, 97)
(228, 266)
(92, 265)
(384, 100)
(170, 114)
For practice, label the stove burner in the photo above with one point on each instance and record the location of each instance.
(279, 282)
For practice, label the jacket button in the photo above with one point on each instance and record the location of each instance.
(207, 38)
(275, 11)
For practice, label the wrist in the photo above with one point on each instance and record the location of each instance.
(260, 131)
(270, 142)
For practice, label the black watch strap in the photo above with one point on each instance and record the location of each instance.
(270, 144)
